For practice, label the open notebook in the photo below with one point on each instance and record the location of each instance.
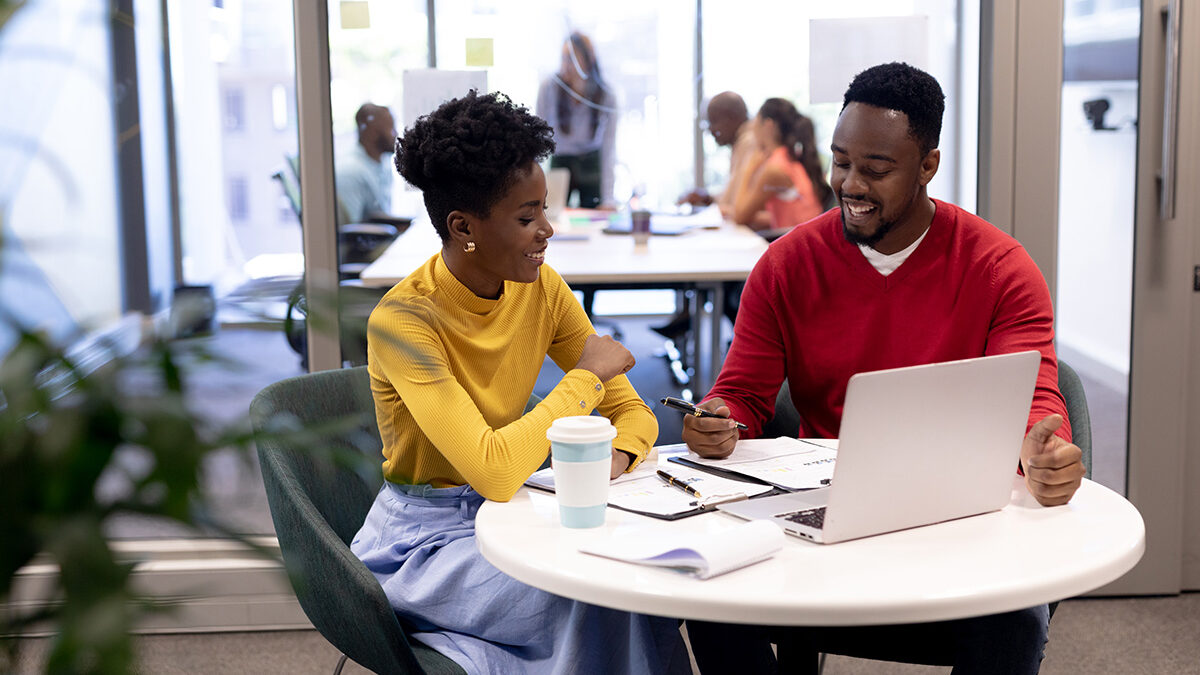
(642, 491)
(702, 556)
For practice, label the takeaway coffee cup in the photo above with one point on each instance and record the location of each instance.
(581, 454)
(640, 226)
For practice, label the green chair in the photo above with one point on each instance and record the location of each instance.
(319, 492)
(1077, 412)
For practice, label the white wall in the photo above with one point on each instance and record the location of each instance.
(1095, 236)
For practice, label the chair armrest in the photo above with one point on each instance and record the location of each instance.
(369, 229)
(401, 223)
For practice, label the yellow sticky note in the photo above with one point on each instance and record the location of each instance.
(355, 14)
(479, 52)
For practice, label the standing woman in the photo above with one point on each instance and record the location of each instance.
(582, 111)
(454, 351)
(789, 183)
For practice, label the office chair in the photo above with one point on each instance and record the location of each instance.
(319, 489)
(1071, 388)
(359, 244)
(319, 493)
(786, 422)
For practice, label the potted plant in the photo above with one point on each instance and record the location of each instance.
(69, 433)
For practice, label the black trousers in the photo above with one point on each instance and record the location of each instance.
(999, 644)
(585, 176)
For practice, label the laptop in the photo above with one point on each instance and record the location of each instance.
(558, 190)
(917, 446)
(662, 224)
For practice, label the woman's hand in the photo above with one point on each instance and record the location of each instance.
(620, 461)
(605, 357)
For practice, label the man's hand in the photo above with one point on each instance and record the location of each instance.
(695, 198)
(1053, 467)
(620, 461)
(709, 436)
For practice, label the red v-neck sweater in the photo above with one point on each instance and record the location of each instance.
(815, 311)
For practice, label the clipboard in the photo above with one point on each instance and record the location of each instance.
(797, 464)
(707, 506)
(644, 493)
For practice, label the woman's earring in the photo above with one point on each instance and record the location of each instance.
(469, 246)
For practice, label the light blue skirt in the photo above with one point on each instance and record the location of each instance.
(419, 542)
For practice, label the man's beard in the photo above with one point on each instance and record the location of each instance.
(885, 227)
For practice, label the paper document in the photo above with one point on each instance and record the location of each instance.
(789, 463)
(702, 556)
(709, 217)
(642, 491)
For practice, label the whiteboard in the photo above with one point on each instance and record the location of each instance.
(427, 88)
(839, 49)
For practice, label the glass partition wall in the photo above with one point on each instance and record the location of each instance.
(1098, 156)
(219, 187)
(218, 124)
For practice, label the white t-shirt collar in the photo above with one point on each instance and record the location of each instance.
(886, 264)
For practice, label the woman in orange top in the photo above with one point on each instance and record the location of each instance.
(788, 187)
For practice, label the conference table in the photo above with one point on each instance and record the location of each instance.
(703, 258)
(1020, 556)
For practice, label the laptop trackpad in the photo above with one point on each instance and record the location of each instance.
(798, 501)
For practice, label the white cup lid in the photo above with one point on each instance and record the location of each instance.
(581, 429)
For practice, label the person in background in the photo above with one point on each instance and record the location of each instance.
(729, 123)
(730, 126)
(454, 351)
(582, 110)
(892, 279)
(363, 174)
(788, 184)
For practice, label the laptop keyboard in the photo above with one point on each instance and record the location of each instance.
(814, 518)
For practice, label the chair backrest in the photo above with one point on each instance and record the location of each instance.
(787, 421)
(1071, 388)
(319, 489)
(290, 187)
(289, 179)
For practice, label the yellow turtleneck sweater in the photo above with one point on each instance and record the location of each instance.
(451, 373)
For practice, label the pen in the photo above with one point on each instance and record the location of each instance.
(684, 406)
(672, 480)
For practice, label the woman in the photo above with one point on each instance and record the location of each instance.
(453, 353)
(582, 111)
(788, 184)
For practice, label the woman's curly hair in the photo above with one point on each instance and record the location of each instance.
(899, 86)
(468, 153)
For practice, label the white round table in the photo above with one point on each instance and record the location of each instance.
(1020, 556)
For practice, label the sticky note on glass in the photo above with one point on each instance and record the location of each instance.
(355, 14)
(479, 52)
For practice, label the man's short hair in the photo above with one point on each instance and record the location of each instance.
(912, 91)
(366, 113)
(728, 103)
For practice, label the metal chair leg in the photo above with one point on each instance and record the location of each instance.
(340, 664)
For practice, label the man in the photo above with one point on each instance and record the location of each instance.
(730, 125)
(892, 279)
(364, 173)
